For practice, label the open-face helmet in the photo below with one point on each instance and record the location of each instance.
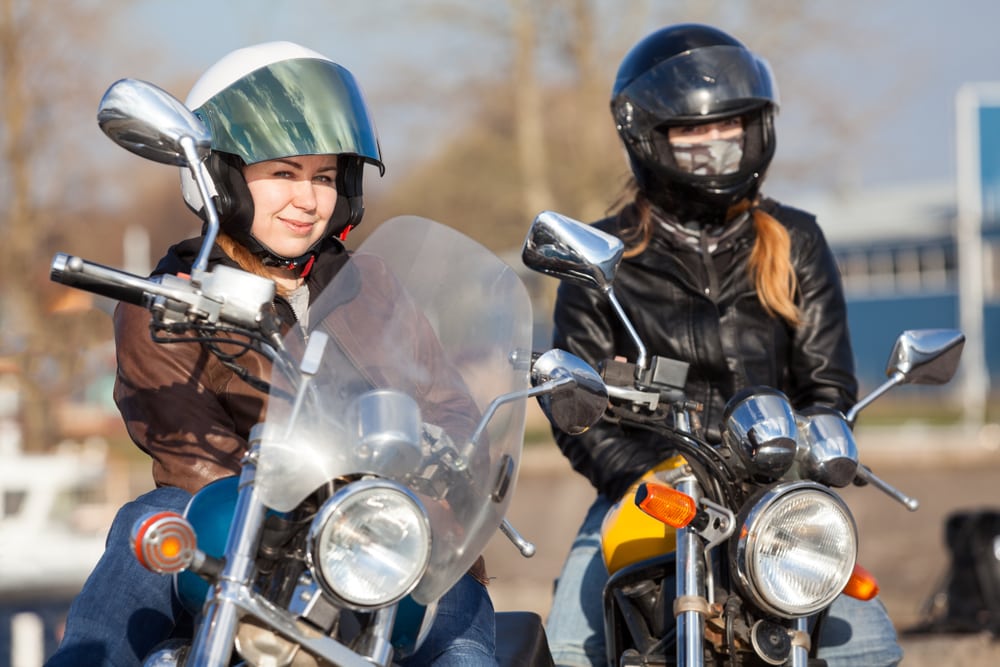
(691, 74)
(275, 100)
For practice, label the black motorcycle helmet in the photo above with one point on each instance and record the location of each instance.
(273, 100)
(691, 74)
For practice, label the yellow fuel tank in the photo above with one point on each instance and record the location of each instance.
(629, 535)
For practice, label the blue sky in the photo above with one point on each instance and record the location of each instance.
(894, 69)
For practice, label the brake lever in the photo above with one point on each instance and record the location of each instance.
(868, 477)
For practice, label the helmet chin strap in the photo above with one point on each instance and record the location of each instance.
(300, 265)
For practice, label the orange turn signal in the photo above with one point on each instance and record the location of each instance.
(666, 504)
(164, 542)
(862, 584)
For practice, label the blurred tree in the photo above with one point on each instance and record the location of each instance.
(537, 133)
(48, 70)
(540, 135)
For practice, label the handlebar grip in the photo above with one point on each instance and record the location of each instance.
(98, 279)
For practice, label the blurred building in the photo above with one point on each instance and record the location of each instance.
(897, 250)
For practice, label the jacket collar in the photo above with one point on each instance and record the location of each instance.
(699, 238)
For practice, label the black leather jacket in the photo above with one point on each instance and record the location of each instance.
(702, 308)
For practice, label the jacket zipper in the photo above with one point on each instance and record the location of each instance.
(706, 259)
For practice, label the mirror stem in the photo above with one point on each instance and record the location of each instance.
(544, 388)
(200, 176)
(852, 414)
(640, 363)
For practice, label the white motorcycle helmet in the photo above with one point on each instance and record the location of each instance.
(274, 100)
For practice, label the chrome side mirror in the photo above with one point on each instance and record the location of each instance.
(578, 405)
(572, 251)
(152, 123)
(926, 356)
(921, 356)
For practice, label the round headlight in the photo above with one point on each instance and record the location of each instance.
(370, 543)
(796, 548)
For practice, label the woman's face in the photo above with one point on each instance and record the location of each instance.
(731, 128)
(293, 199)
(709, 149)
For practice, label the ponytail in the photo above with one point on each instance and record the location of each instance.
(771, 268)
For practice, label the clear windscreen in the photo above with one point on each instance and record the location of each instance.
(425, 328)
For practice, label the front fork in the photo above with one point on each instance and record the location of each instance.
(692, 602)
(214, 637)
(232, 597)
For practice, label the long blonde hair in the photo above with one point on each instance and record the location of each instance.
(770, 263)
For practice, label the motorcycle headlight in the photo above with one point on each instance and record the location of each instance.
(795, 548)
(370, 544)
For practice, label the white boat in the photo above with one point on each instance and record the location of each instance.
(53, 520)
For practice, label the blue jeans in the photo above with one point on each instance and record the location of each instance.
(124, 610)
(464, 632)
(856, 634)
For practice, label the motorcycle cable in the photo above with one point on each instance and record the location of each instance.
(212, 341)
(721, 479)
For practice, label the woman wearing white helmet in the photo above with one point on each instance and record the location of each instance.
(290, 136)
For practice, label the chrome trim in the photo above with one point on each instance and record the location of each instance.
(747, 518)
(332, 505)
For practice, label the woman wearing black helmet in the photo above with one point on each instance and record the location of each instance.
(741, 287)
(290, 136)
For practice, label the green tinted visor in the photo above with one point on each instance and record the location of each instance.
(303, 106)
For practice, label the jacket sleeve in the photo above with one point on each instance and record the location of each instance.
(821, 367)
(171, 406)
(608, 454)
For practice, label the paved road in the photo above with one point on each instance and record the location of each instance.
(905, 550)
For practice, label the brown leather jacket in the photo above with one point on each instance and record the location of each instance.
(192, 414)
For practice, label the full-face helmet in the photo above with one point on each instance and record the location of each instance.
(692, 74)
(274, 100)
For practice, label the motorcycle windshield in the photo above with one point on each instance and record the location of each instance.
(426, 328)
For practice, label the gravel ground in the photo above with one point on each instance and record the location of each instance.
(904, 550)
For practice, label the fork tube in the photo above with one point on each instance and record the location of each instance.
(800, 643)
(690, 584)
(378, 644)
(216, 633)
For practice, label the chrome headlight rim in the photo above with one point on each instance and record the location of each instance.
(333, 509)
(755, 511)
